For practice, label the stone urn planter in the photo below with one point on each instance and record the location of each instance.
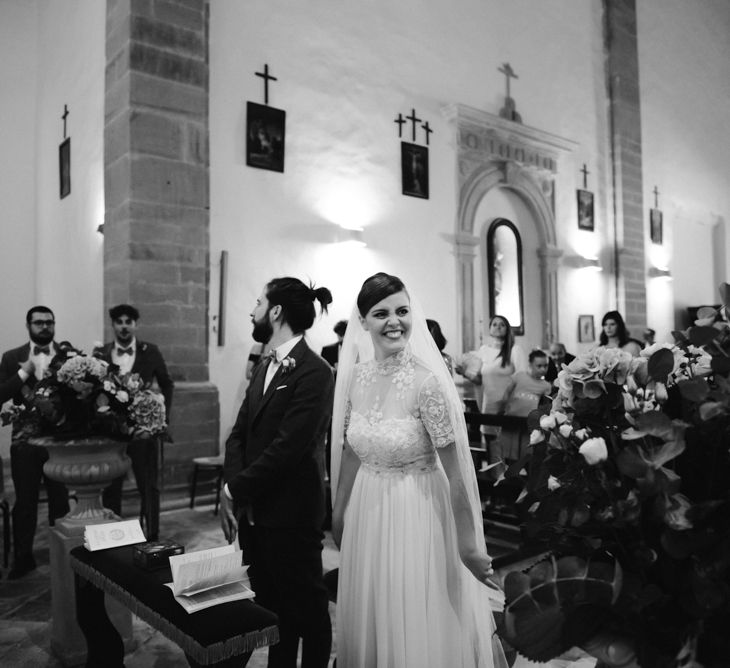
(86, 465)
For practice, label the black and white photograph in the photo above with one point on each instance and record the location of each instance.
(656, 226)
(585, 210)
(414, 169)
(265, 133)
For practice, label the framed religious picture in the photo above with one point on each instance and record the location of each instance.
(656, 226)
(64, 166)
(585, 210)
(414, 169)
(265, 132)
(586, 329)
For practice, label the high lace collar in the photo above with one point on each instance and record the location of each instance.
(394, 363)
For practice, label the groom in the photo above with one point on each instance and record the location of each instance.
(274, 473)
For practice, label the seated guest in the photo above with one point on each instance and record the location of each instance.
(20, 369)
(527, 390)
(133, 356)
(558, 356)
(331, 353)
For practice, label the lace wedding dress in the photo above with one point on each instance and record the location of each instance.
(405, 600)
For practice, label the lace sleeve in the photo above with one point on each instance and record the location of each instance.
(434, 413)
(348, 411)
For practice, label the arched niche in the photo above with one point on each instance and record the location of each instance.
(496, 153)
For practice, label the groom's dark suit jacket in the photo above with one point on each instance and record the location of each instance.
(274, 458)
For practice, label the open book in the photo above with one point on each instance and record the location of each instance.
(208, 577)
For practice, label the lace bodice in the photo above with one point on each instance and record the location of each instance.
(397, 415)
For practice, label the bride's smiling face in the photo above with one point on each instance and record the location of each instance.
(389, 324)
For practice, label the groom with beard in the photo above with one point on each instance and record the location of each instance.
(274, 473)
(20, 369)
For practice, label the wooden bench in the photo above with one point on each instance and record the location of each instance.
(222, 635)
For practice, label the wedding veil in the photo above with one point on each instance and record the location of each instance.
(357, 347)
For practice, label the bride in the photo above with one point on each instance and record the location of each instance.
(415, 579)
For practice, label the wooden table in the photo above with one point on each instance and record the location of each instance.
(223, 635)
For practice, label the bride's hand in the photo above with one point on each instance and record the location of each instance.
(480, 564)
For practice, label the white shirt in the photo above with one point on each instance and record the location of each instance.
(281, 352)
(41, 361)
(125, 362)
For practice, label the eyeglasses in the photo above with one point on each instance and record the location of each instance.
(43, 323)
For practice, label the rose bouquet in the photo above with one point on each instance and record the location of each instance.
(626, 487)
(83, 396)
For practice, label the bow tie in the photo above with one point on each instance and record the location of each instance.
(45, 350)
(271, 355)
(125, 351)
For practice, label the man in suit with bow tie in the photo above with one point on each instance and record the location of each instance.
(133, 356)
(274, 473)
(20, 369)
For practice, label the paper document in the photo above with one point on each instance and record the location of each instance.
(112, 534)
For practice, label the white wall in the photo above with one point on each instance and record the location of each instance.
(684, 55)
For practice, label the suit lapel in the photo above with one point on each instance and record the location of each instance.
(299, 354)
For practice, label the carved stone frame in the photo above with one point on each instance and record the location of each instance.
(495, 153)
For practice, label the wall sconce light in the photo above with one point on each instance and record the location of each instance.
(656, 272)
(581, 262)
(100, 228)
(351, 236)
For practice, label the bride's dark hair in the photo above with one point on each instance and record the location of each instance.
(376, 288)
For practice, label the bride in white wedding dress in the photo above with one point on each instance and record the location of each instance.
(415, 579)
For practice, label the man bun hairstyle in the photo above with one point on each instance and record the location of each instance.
(120, 310)
(376, 288)
(297, 301)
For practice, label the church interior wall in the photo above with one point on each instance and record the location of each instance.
(345, 71)
(684, 58)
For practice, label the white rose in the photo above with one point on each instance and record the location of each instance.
(553, 483)
(582, 434)
(547, 422)
(594, 450)
(122, 396)
(565, 430)
(536, 436)
(560, 418)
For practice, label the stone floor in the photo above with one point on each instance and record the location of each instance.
(25, 604)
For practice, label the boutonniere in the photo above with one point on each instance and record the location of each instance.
(287, 364)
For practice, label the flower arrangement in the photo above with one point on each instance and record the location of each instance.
(626, 487)
(83, 396)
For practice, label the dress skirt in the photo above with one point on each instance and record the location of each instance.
(405, 600)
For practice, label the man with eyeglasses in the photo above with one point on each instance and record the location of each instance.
(20, 369)
(134, 356)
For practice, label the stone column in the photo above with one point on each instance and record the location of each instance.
(625, 113)
(156, 228)
(465, 250)
(548, 258)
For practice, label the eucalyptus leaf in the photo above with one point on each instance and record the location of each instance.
(537, 601)
(695, 389)
(661, 364)
(706, 312)
(701, 336)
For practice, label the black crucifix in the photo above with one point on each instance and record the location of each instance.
(400, 120)
(64, 117)
(413, 119)
(656, 197)
(266, 77)
(428, 130)
(509, 73)
(585, 173)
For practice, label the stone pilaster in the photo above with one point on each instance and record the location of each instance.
(156, 228)
(625, 112)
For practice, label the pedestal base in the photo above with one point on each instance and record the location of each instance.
(67, 641)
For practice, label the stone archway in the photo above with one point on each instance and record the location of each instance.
(495, 153)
